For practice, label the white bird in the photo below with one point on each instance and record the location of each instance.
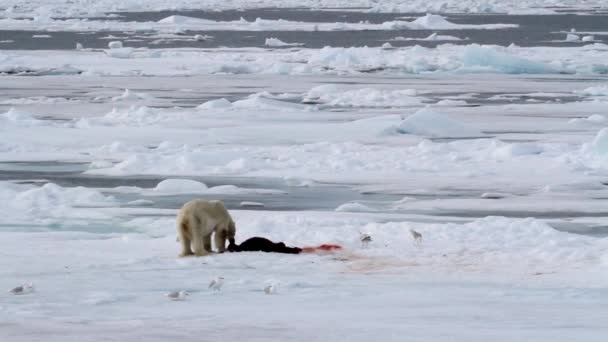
(365, 239)
(270, 289)
(417, 237)
(23, 289)
(216, 284)
(177, 295)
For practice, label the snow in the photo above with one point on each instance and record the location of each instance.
(37, 204)
(180, 19)
(115, 44)
(600, 142)
(120, 52)
(591, 119)
(177, 186)
(435, 36)
(431, 37)
(572, 37)
(437, 22)
(246, 204)
(122, 277)
(201, 38)
(332, 95)
(588, 38)
(129, 96)
(215, 104)
(594, 91)
(449, 103)
(354, 207)
(519, 149)
(588, 59)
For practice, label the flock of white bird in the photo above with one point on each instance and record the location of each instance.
(216, 283)
(216, 286)
(366, 238)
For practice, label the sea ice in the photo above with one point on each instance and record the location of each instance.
(572, 37)
(432, 37)
(275, 42)
(594, 91)
(354, 207)
(600, 142)
(428, 122)
(179, 186)
(215, 104)
(249, 204)
(332, 95)
(588, 38)
(41, 10)
(479, 56)
(115, 44)
(179, 23)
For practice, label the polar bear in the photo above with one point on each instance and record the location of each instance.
(197, 220)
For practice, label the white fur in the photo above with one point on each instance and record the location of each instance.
(197, 220)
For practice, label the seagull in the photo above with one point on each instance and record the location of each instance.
(216, 284)
(417, 237)
(270, 289)
(365, 239)
(177, 295)
(23, 289)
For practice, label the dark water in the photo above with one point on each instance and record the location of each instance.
(533, 30)
(320, 197)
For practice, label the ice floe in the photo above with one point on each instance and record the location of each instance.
(275, 42)
(594, 91)
(41, 11)
(430, 123)
(177, 23)
(588, 59)
(364, 97)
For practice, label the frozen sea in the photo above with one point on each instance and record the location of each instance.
(483, 126)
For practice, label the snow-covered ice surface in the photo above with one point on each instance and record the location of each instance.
(496, 154)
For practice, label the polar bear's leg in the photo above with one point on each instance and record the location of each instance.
(184, 238)
(220, 239)
(198, 237)
(185, 247)
(207, 243)
(231, 232)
